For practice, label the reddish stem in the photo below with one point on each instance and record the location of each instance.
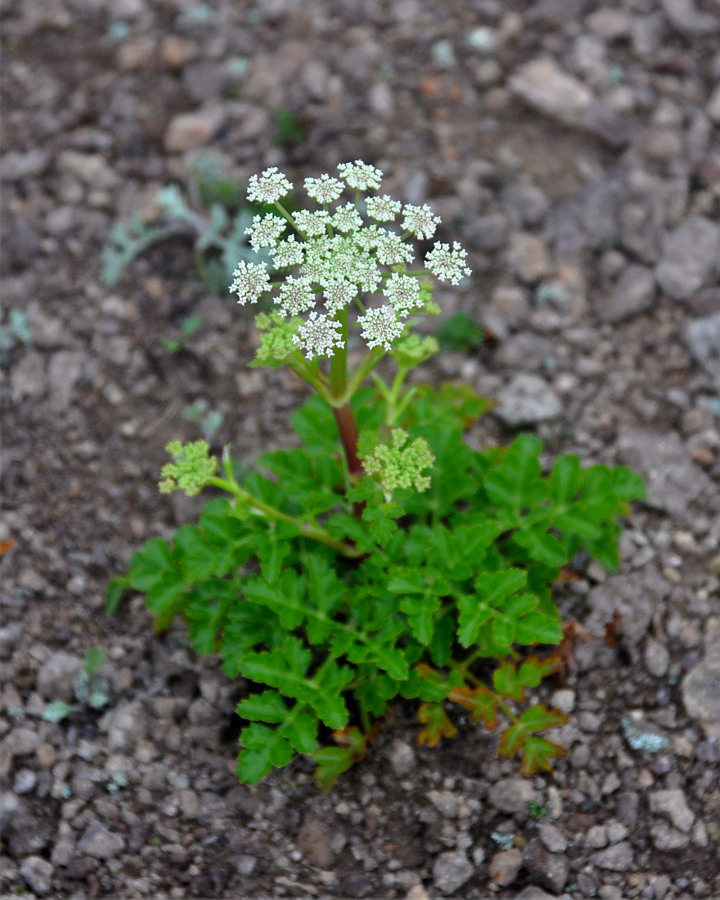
(349, 436)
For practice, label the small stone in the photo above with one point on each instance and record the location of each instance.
(512, 795)
(57, 676)
(700, 692)
(99, 842)
(543, 85)
(25, 781)
(22, 741)
(512, 305)
(551, 870)
(596, 837)
(657, 658)
(672, 803)
(445, 802)
(402, 758)
(486, 233)
(187, 131)
(617, 858)
(90, 168)
(245, 864)
(178, 52)
(527, 256)
(526, 351)
(527, 399)
(564, 700)
(713, 107)
(552, 837)
(16, 166)
(505, 866)
(64, 371)
(691, 256)
(37, 874)
(526, 202)
(135, 54)
(666, 838)
(633, 293)
(685, 17)
(314, 841)
(451, 871)
(126, 725)
(703, 339)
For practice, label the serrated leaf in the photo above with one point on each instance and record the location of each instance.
(284, 668)
(516, 483)
(565, 479)
(505, 681)
(264, 748)
(114, 594)
(300, 729)
(266, 707)
(541, 545)
(534, 669)
(536, 753)
(481, 702)
(491, 589)
(332, 762)
(437, 724)
(420, 612)
(537, 627)
(285, 597)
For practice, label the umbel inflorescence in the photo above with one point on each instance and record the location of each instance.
(334, 260)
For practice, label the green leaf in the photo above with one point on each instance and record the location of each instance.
(541, 545)
(420, 612)
(264, 748)
(516, 483)
(114, 594)
(537, 718)
(266, 707)
(300, 729)
(565, 479)
(491, 589)
(480, 701)
(283, 668)
(285, 598)
(332, 762)
(505, 681)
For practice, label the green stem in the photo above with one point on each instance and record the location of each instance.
(307, 529)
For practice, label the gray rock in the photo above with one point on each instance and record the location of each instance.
(445, 802)
(188, 131)
(528, 399)
(90, 168)
(402, 758)
(633, 293)
(703, 339)
(634, 596)
(532, 892)
(618, 858)
(657, 658)
(37, 874)
(451, 871)
(526, 351)
(27, 834)
(505, 866)
(315, 841)
(99, 842)
(126, 725)
(16, 166)
(551, 870)
(713, 107)
(685, 17)
(596, 837)
(511, 795)
(527, 257)
(641, 228)
(673, 804)
(552, 837)
(27, 377)
(486, 233)
(526, 202)
(511, 304)
(628, 804)
(21, 741)
(64, 372)
(690, 257)
(547, 88)
(700, 686)
(57, 676)
(673, 480)
(666, 838)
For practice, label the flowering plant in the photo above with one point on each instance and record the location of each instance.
(383, 557)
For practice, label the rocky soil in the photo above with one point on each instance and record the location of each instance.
(574, 147)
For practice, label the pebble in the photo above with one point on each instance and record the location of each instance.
(527, 257)
(99, 842)
(64, 371)
(547, 88)
(700, 686)
(666, 838)
(511, 795)
(527, 400)
(617, 858)
(22, 741)
(126, 725)
(505, 866)
(552, 837)
(402, 758)
(703, 339)
(690, 257)
(56, 677)
(314, 841)
(37, 873)
(549, 869)
(657, 658)
(445, 802)
(633, 293)
(673, 805)
(451, 871)
(188, 131)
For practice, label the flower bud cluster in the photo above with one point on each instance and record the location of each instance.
(338, 257)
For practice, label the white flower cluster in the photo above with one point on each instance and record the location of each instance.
(338, 256)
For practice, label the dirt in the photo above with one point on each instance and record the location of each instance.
(139, 798)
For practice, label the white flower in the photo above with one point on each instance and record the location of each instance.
(338, 294)
(380, 327)
(319, 336)
(324, 189)
(249, 281)
(287, 253)
(367, 238)
(391, 250)
(312, 224)
(367, 276)
(420, 220)
(269, 187)
(383, 209)
(265, 232)
(403, 292)
(446, 264)
(346, 218)
(296, 296)
(360, 175)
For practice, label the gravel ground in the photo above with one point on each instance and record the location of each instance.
(574, 147)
